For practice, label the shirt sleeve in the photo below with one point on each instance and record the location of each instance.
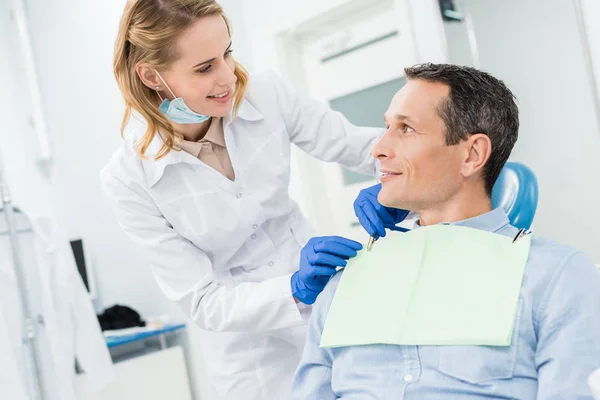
(313, 376)
(324, 133)
(568, 325)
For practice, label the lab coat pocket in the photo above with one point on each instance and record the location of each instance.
(481, 364)
(301, 231)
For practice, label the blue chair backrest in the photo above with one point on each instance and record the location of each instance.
(516, 191)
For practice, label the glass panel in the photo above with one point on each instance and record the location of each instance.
(366, 108)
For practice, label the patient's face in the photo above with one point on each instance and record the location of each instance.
(419, 170)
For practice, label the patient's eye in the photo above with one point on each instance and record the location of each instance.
(407, 128)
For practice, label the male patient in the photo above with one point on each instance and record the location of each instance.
(450, 130)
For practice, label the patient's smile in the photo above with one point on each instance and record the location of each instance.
(387, 175)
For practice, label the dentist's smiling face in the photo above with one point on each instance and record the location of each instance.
(203, 74)
(418, 169)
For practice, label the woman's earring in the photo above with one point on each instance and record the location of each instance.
(158, 87)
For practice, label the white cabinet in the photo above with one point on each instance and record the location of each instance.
(161, 375)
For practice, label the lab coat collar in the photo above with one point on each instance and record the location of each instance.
(155, 168)
(492, 221)
(247, 112)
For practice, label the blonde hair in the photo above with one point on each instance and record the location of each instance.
(147, 33)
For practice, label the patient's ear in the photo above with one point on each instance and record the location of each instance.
(478, 150)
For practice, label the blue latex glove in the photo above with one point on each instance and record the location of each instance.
(318, 262)
(374, 217)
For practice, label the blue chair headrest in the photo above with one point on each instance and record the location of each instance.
(516, 191)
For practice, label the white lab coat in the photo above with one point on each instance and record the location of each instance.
(67, 326)
(225, 251)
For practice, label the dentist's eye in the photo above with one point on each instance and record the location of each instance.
(408, 129)
(204, 70)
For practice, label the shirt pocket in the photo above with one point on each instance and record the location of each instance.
(481, 364)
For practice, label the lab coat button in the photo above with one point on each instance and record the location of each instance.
(408, 378)
(271, 263)
(239, 195)
(254, 226)
(253, 236)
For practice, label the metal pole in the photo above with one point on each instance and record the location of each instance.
(162, 341)
(29, 323)
(34, 378)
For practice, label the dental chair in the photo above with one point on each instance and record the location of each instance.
(516, 191)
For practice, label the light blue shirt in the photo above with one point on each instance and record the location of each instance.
(556, 348)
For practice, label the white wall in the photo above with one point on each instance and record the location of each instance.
(26, 179)
(534, 46)
(265, 19)
(591, 13)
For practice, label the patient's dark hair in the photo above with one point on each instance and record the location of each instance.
(477, 103)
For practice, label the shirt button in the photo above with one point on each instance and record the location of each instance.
(253, 236)
(408, 378)
(271, 263)
(254, 226)
(239, 195)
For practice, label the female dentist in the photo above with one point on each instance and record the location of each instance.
(201, 185)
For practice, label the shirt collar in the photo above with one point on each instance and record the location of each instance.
(491, 221)
(215, 133)
(154, 169)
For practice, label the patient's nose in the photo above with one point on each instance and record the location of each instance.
(383, 148)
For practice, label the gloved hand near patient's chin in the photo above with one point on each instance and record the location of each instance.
(318, 262)
(374, 217)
